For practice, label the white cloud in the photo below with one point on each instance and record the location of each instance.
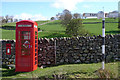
(86, 6)
(25, 16)
(101, 0)
(66, 4)
(57, 0)
(71, 4)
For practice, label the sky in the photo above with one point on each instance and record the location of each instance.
(45, 9)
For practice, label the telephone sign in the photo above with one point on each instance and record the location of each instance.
(26, 46)
(24, 25)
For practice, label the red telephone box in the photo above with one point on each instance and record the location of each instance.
(26, 46)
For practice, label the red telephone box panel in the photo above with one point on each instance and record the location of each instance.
(26, 46)
(8, 49)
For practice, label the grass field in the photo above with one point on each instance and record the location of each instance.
(96, 29)
(54, 29)
(68, 70)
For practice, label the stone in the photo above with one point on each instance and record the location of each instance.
(77, 61)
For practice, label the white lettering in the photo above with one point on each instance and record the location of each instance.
(24, 25)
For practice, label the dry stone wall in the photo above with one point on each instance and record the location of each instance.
(87, 49)
(8, 59)
(70, 50)
(46, 52)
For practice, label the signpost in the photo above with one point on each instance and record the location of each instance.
(103, 42)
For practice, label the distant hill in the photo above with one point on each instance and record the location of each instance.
(54, 29)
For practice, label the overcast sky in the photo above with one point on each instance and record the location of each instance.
(44, 9)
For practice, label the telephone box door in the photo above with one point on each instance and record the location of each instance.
(24, 58)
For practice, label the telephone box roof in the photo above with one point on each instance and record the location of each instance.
(28, 21)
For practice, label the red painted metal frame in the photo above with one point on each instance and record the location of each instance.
(26, 59)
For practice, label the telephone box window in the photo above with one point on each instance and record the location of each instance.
(35, 58)
(35, 41)
(25, 43)
(35, 33)
(25, 35)
(35, 37)
(35, 54)
(35, 45)
(35, 50)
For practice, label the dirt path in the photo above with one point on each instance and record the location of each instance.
(46, 22)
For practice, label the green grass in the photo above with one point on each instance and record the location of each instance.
(96, 29)
(9, 24)
(40, 22)
(68, 70)
(92, 20)
(8, 34)
(54, 29)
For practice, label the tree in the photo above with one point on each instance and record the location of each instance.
(74, 27)
(11, 18)
(58, 16)
(61, 17)
(3, 20)
(66, 12)
(52, 18)
(76, 16)
(6, 18)
(15, 20)
(29, 19)
(66, 17)
(119, 20)
(0, 18)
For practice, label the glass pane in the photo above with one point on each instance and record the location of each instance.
(35, 45)
(35, 58)
(35, 33)
(35, 37)
(35, 41)
(25, 34)
(25, 43)
(35, 50)
(35, 54)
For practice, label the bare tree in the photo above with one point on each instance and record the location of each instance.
(67, 16)
(3, 19)
(0, 18)
(15, 20)
(58, 16)
(6, 18)
(11, 18)
(66, 12)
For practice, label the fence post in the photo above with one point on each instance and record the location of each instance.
(55, 50)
